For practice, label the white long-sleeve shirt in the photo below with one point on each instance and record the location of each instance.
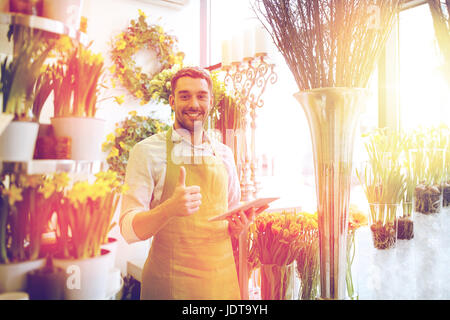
(146, 172)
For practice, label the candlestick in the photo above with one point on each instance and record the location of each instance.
(249, 81)
(261, 41)
(237, 50)
(226, 53)
(249, 43)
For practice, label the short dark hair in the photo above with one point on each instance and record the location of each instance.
(192, 72)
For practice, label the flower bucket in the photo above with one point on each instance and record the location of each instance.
(86, 134)
(29, 7)
(86, 279)
(277, 282)
(111, 246)
(66, 11)
(18, 141)
(13, 276)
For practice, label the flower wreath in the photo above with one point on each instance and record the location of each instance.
(137, 36)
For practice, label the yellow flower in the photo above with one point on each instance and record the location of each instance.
(139, 94)
(121, 44)
(110, 137)
(47, 189)
(120, 99)
(142, 13)
(61, 180)
(79, 193)
(14, 194)
(133, 113)
(32, 181)
(143, 102)
(122, 145)
(113, 153)
(112, 69)
(119, 131)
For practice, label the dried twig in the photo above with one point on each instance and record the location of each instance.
(328, 43)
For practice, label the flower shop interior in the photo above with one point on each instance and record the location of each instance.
(335, 107)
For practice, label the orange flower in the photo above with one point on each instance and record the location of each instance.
(357, 218)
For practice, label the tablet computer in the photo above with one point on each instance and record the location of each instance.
(257, 203)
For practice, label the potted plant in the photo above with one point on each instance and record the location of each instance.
(24, 91)
(406, 221)
(127, 133)
(84, 220)
(25, 209)
(66, 11)
(30, 7)
(277, 244)
(429, 168)
(76, 84)
(383, 181)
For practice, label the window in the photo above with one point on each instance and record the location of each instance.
(283, 142)
(424, 94)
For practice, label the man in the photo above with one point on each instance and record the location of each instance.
(178, 180)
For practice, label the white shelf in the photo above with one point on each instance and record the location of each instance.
(44, 24)
(51, 166)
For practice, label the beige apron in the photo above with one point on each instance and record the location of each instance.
(191, 258)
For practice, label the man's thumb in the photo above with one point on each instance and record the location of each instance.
(182, 177)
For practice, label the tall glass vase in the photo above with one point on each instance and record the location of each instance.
(333, 115)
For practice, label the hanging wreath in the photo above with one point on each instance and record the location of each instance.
(139, 36)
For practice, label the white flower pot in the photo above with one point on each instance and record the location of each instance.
(86, 279)
(13, 276)
(18, 140)
(111, 246)
(66, 11)
(87, 135)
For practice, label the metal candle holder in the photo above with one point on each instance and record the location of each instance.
(249, 79)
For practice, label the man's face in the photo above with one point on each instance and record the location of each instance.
(191, 102)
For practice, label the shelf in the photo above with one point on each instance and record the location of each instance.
(44, 24)
(51, 166)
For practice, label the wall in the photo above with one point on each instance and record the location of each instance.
(106, 19)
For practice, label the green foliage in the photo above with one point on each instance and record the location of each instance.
(129, 132)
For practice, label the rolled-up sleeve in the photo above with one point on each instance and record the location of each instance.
(137, 199)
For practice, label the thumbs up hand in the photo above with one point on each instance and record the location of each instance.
(184, 201)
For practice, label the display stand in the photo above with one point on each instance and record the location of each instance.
(44, 24)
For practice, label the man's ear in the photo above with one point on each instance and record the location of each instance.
(172, 102)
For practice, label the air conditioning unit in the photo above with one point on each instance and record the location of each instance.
(168, 3)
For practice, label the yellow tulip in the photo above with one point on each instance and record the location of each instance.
(14, 194)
